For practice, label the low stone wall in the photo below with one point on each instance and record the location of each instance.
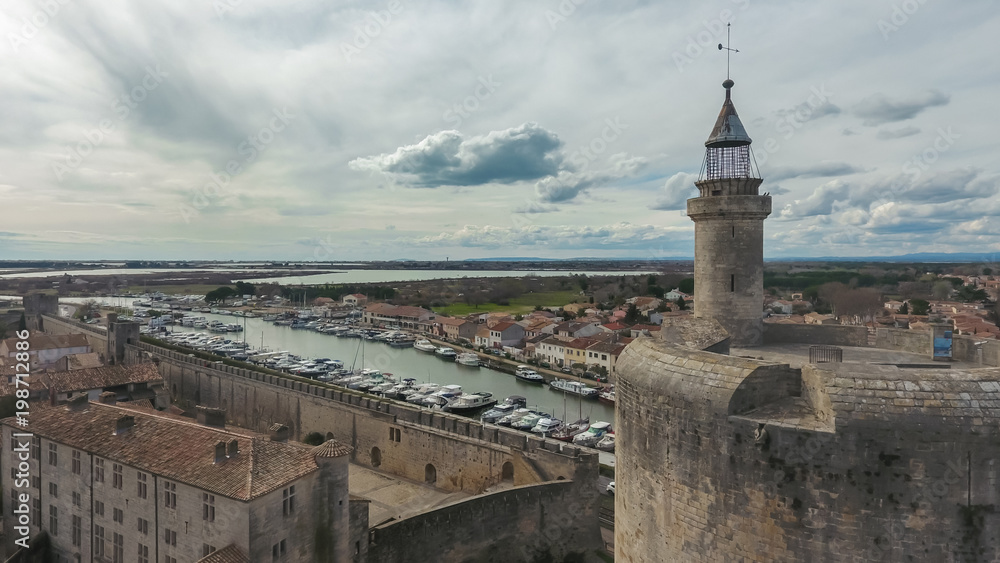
(97, 338)
(964, 348)
(544, 522)
(834, 335)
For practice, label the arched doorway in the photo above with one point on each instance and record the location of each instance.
(376, 457)
(430, 474)
(507, 472)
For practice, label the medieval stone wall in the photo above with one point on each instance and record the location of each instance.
(860, 467)
(533, 523)
(832, 335)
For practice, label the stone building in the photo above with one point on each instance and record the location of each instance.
(738, 441)
(109, 483)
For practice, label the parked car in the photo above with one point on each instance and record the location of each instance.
(567, 369)
(611, 488)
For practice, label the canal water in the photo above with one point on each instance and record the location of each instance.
(408, 362)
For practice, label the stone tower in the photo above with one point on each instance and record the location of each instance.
(729, 218)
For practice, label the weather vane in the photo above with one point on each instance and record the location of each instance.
(728, 50)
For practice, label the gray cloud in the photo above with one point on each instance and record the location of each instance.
(878, 109)
(526, 152)
(820, 202)
(567, 185)
(676, 191)
(818, 170)
(809, 112)
(886, 134)
(621, 235)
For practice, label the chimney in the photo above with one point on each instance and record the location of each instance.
(232, 448)
(220, 452)
(215, 418)
(123, 424)
(279, 432)
(76, 404)
(108, 398)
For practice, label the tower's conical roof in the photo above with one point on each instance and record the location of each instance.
(728, 130)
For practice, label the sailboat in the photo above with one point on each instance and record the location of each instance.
(567, 432)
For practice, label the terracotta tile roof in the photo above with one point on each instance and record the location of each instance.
(483, 332)
(607, 348)
(450, 321)
(177, 449)
(102, 377)
(332, 448)
(614, 326)
(397, 310)
(579, 343)
(502, 326)
(84, 361)
(228, 554)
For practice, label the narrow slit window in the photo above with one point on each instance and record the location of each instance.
(734, 231)
(732, 282)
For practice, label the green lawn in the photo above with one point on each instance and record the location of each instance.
(523, 304)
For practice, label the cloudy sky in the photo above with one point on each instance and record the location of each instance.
(311, 129)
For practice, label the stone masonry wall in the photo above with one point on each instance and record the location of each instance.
(832, 335)
(964, 347)
(532, 523)
(778, 485)
(98, 339)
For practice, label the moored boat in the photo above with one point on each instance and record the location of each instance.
(607, 395)
(424, 346)
(574, 388)
(524, 373)
(568, 431)
(503, 409)
(446, 352)
(592, 435)
(468, 359)
(607, 443)
(469, 403)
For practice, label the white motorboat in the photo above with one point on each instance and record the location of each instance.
(469, 402)
(546, 426)
(468, 359)
(592, 435)
(446, 352)
(424, 346)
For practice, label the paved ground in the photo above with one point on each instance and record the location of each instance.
(394, 497)
(798, 354)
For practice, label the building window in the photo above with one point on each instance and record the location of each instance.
(118, 515)
(143, 526)
(99, 470)
(98, 508)
(118, 550)
(53, 458)
(36, 447)
(54, 490)
(13, 500)
(288, 500)
(169, 494)
(99, 541)
(207, 549)
(278, 550)
(36, 517)
(76, 462)
(732, 282)
(143, 553)
(170, 537)
(141, 485)
(53, 520)
(169, 559)
(77, 530)
(116, 477)
(208, 507)
(36, 482)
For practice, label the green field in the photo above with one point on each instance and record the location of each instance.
(523, 304)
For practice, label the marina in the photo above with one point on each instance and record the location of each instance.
(356, 352)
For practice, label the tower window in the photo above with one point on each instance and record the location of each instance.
(732, 282)
(734, 231)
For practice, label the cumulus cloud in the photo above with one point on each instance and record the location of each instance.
(820, 202)
(886, 134)
(567, 185)
(621, 235)
(676, 191)
(523, 153)
(807, 111)
(534, 207)
(879, 109)
(818, 170)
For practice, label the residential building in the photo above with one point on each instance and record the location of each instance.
(506, 333)
(482, 338)
(575, 351)
(116, 484)
(551, 350)
(455, 329)
(572, 329)
(397, 316)
(533, 326)
(45, 350)
(820, 319)
(604, 354)
(355, 300)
